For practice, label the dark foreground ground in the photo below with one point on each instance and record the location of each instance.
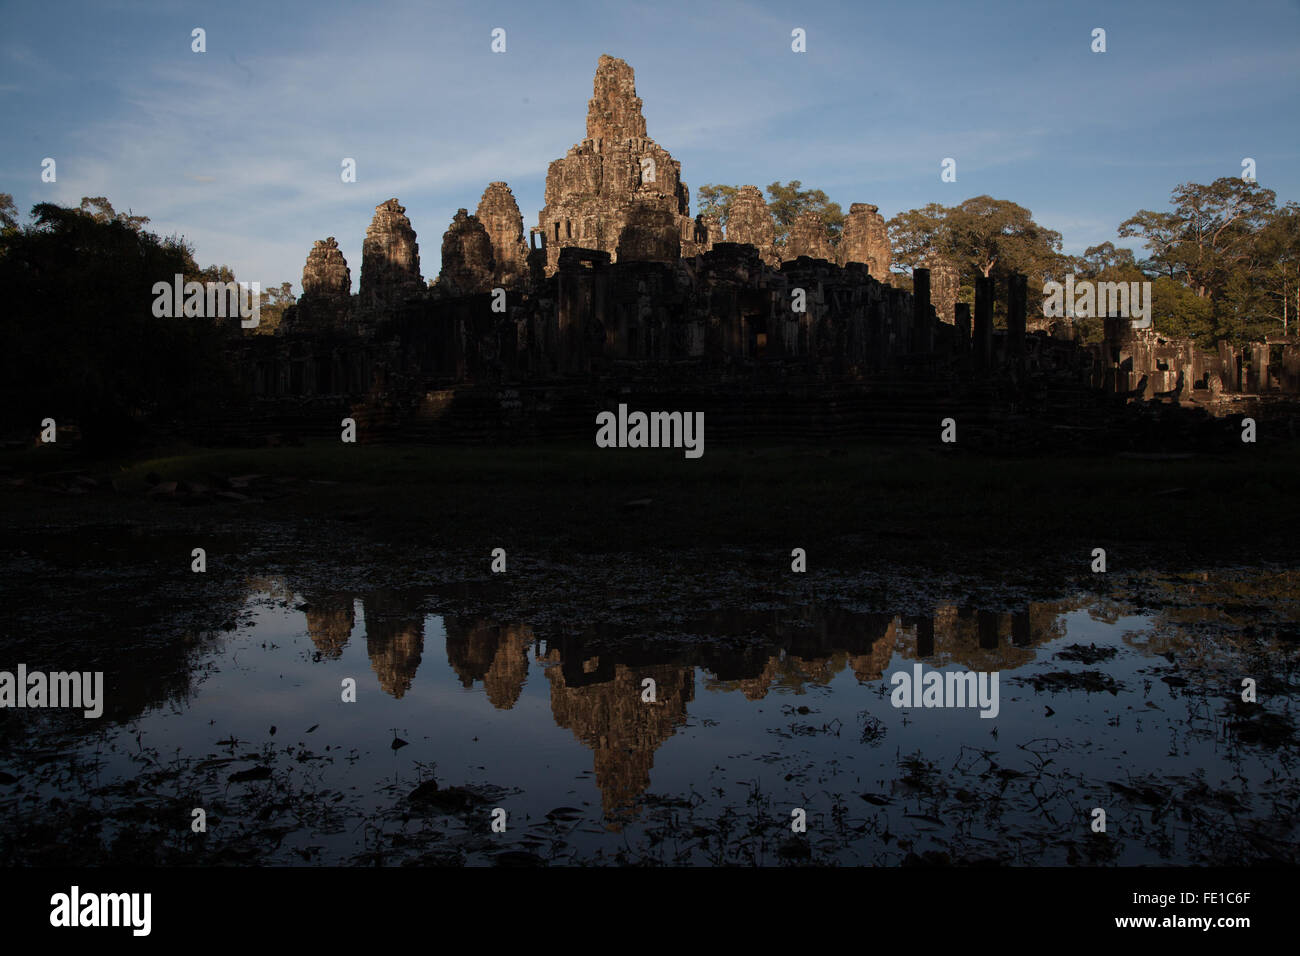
(850, 506)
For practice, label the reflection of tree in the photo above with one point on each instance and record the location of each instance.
(622, 730)
(496, 654)
(394, 640)
(157, 640)
(1106, 611)
(1238, 608)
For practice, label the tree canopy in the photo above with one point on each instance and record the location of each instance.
(1227, 244)
(786, 203)
(982, 236)
(81, 341)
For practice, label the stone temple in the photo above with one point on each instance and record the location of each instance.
(618, 191)
(618, 288)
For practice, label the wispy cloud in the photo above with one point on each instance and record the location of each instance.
(240, 148)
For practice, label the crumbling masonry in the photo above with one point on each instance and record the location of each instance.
(618, 284)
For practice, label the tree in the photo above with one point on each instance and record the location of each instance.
(8, 213)
(990, 237)
(81, 341)
(918, 233)
(1103, 260)
(785, 202)
(1279, 273)
(274, 302)
(1209, 234)
(1178, 311)
(716, 201)
(982, 236)
(101, 210)
(789, 202)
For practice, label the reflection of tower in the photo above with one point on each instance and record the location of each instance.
(394, 640)
(870, 666)
(623, 731)
(755, 688)
(496, 654)
(329, 623)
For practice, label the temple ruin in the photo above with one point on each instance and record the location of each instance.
(468, 258)
(390, 258)
(750, 223)
(866, 240)
(500, 216)
(618, 191)
(620, 288)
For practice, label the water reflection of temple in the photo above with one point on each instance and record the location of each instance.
(816, 646)
(596, 673)
(330, 620)
(609, 715)
(394, 629)
(394, 640)
(496, 654)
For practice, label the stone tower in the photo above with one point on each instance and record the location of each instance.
(390, 257)
(708, 231)
(750, 221)
(500, 215)
(866, 239)
(326, 288)
(326, 272)
(808, 237)
(617, 191)
(467, 264)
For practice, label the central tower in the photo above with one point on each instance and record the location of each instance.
(618, 190)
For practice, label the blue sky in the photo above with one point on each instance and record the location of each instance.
(239, 148)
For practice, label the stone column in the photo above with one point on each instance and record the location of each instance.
(921, 327)
(924, 637)
(962, 314)
(1017, 303)
(983, 342)
(1021, 635)
(1258, 368)
(987, 625)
